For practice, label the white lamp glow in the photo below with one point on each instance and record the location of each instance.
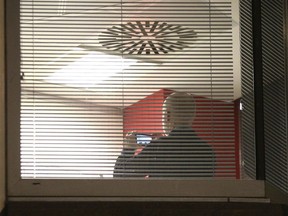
(90, 70)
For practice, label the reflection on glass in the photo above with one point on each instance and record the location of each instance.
(94, 72)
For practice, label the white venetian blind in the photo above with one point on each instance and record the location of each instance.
(94, 70)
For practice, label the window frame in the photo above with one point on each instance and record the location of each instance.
(103, 189)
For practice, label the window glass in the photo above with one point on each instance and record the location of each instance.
(98, 77)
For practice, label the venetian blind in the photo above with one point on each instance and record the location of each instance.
(94, 71)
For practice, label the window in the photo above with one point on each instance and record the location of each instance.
(93, 71)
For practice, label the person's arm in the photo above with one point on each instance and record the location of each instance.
(122, 166)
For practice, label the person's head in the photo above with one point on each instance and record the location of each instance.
(178, 111)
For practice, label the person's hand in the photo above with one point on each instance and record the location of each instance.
(131, 141)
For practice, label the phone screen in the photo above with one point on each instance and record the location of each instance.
(143, 139)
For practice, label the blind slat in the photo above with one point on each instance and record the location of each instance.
(93, 71)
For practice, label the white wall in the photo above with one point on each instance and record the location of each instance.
(2, 150)
(85, 139)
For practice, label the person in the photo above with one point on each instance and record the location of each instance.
(180, 153)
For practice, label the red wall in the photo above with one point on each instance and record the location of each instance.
(216, 122)
(145, 116)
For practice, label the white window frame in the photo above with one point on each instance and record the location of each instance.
(100, 189)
